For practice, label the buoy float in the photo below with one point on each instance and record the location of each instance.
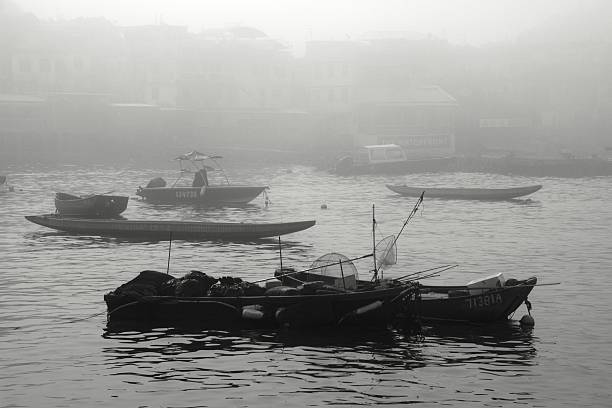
(527, 321)
(324, 206)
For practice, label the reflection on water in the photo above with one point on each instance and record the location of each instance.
(353, 364)
(52, 309)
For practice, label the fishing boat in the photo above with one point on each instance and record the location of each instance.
(197, 299)
(337, 297)
(387, 159)
(482, 301)
(201, 191)
(95, 205)
(465, 193)
(167, 230)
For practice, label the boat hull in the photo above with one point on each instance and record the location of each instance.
(102, 206)
(165, 230)
(465, 193)
(493, 305)
(293, 311)
(209, 195)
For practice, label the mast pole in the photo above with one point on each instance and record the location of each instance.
(169, 249)
(374, 242)
(280, 253)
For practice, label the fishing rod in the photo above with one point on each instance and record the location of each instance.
(311, 269)
(518, 285)
(412, 213)
(423, 271)
(436, 273)
(396, 237)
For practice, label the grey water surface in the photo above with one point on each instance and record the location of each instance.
(55, 351)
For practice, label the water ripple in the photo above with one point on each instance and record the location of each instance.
(56, 352)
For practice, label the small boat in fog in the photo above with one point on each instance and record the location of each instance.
(389, 159)
(465, 193)
(95, 205)
(481, 301)
(166, 230)
(200, 191)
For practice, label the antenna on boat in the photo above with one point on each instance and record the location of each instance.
(374, 243)
(169, 248)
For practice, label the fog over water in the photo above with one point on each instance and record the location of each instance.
(325, 103)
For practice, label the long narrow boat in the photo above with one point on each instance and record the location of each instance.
(465, 193)
(164, 230)
(97, 205)
(476, 305)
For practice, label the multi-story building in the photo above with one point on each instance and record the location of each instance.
(362, 94)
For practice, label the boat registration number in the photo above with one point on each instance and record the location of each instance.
(475, 302)
(186, 194)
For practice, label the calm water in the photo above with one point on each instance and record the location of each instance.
(55, 352)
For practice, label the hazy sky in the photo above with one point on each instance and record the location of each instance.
(459, 21)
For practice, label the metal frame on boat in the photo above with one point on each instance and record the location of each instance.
(200, 191)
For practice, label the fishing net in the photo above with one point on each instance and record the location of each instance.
(339, 270)
(386, 252)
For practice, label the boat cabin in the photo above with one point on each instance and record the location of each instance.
(379, 154)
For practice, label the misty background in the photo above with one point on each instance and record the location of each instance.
(129, 80)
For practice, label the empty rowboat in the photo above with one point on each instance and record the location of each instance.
(97, 205)
(164, 230)
(465, 193)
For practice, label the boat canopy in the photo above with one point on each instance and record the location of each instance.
(197, 156)
(385, 153)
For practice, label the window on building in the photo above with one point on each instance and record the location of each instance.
(330, 95)
(314, 96)
(280, 71)
(45, 65)
(316, 70)
(25, 65)
(60, 67)
(154, 93)
(78, 63)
